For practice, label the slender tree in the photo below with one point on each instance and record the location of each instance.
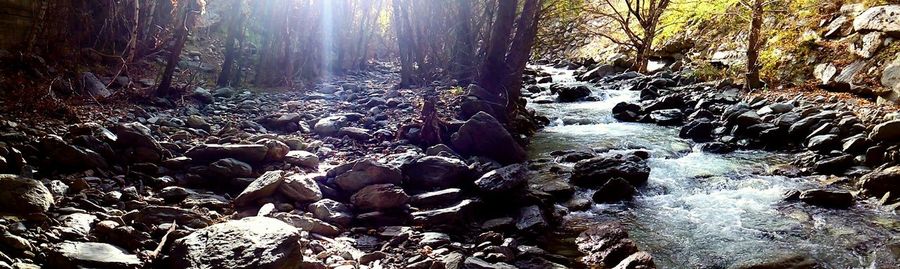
(494, 69)
(187, 21)
(637, 20)
(231, 52)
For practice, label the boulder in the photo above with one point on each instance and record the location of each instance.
(823, 142)
(503, 180)
(597, 171)
(637, 260)
(572, 94)
(890, 79)
(203, 95)
(23, 195)
(92, 86)
(302, 158)
(483, 135)
(367, 172)
(72, 255)
(827, 198)
(881, 181)
(246, 153)
(329, 126)
(869, 45)
(143, 147)
(616, 189)
(355, 133)
(264, 186)
(667, 117)
(301, 188)
(886, 132)
(379, 196)
(436, 172)
(531, 219)
(626, 112)
(879, 19)
(254, 242)
(230, 168)
(605, 245)
(331, 211)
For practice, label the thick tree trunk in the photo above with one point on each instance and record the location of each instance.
(181, 34)
(495, 69)
(753, 46)
(234, 26)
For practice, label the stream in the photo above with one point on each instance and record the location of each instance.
(704, 210)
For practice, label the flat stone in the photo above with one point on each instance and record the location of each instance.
(301, 188)
(264, 186)
(71, 255)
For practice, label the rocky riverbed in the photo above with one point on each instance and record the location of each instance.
(333, 177)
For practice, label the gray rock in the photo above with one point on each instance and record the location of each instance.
(881, 19)
(379, 196)
(197, 122)
(667, 116)
(329, 126)
(476, 263)
(597, 171)
(869, 45)
(301, 188)
(230, 168)
(302, 158)
(254, 242)
(365, 173)
(452, 215)
(72, 255)
(827, 198)
(823, 142)
(881, 181)
(245, 153)
(531, 219)
(23, 195)
(886, 132)
(309, 224)
(264, 186)
(639, 259)
(436, 172)
(503, 180)
(159, 215)
(203, 95)
(616, 189)
(435, 198)
(605, 245)
(331, 211)
(483, 135)
(275, 150)
(355, 133)
(93, 86)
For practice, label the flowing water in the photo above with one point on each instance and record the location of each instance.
(702, 210)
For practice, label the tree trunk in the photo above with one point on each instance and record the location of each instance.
(234, 25)
(406, 68)
(494, 69)
(462, 66)
(520, 50)
(181, 34)
(753, 46)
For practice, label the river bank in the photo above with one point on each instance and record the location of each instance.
(712, 202)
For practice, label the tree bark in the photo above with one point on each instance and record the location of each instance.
(495, 69)
(753, 45)
(406, 68)
(520, 50)
(234, 25)
(462, 66)
(181, 34)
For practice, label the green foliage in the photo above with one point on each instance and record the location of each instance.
(683, 14)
